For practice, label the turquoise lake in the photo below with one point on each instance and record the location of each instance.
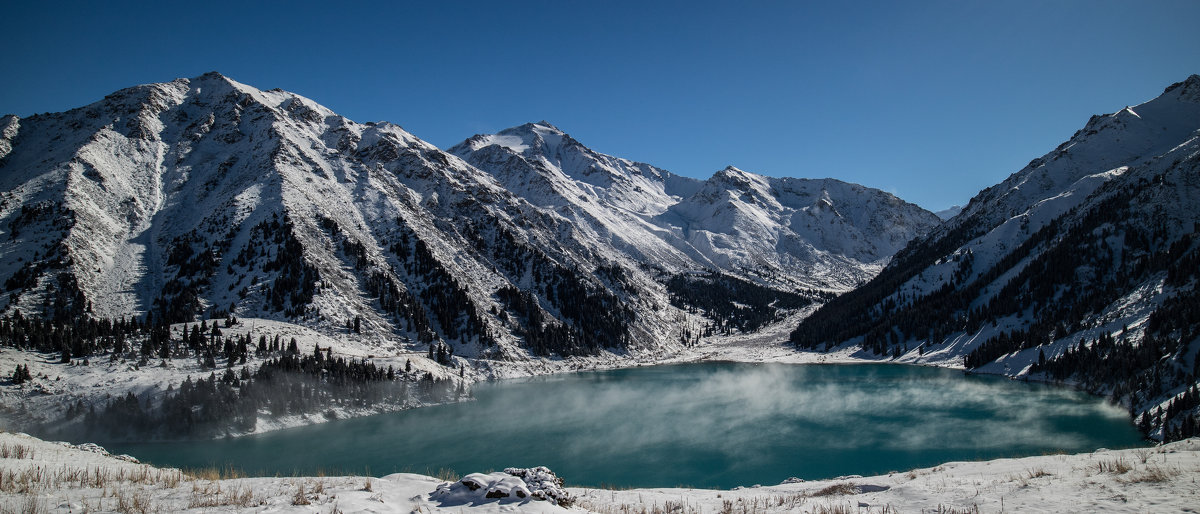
(712, 424)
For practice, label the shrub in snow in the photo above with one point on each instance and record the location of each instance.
(543, 484)
(514, 484)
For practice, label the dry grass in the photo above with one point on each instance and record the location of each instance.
(29, 505)
(213, 495)
(1037, 473)
(35, 479)
(300, 497)
(1114, 466)
(1152, 474)
(837, 489)
(837, 508)
(228, 472)
(846, 508)
(1143, 454)
(15, 451)
(134, 502)
(748, 505)
(447, 474)
(943, 509)
(1028, 475)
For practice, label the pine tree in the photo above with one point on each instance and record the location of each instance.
(21, 375)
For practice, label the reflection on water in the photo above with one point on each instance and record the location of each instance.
(702, 425)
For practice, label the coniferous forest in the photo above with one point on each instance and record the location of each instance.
(233, 394)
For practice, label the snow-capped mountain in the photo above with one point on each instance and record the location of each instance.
(949, 212)
(205, 196)
(1082, 266)
(789, 233)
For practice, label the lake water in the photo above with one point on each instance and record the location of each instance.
(703, 425)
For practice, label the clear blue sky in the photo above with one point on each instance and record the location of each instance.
(929, 100)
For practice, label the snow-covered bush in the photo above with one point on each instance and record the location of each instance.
(514, 484)
(543, 484)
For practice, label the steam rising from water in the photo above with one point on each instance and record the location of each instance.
(734, 408)
(712, 424)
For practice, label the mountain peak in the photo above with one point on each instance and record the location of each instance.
(542, 136)
(214, 77)
(1189, 89)
(732, 171)
(543, 126)
(737, 175)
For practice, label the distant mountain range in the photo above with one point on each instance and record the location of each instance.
(207, 197)
(1080, 267)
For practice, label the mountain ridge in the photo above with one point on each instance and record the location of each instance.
(207, 197)
(676, 219)
(1078, 267)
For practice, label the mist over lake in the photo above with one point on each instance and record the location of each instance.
(710, 424)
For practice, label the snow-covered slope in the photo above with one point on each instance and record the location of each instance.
(1096, 239)
(790, 233)
(822, 233)
(209, 197)
(206, 195)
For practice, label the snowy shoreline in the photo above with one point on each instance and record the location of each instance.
(1148, 478)
(41, 476)
(55, 389)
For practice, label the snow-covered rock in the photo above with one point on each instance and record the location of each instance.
(513, 485)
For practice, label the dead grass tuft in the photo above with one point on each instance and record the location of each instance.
(1037, 473)
(837, 508)
(837, 489)
(29, 505)
(300, 498)
(228, 472)
(1114, 466)
(1143, 454)
(133, 502)
(15, 451)
(447, 475)
(944, 509)
(1153, 474)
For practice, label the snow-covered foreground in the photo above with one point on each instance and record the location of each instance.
(41, 476)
